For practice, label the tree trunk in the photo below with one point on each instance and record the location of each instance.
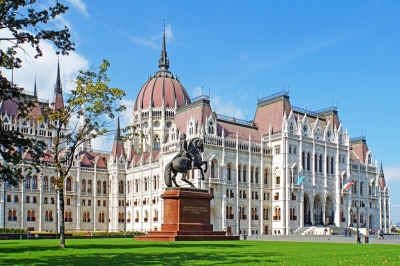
(62, 220)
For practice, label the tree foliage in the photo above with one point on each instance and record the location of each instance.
(95, 104)
(24, 22)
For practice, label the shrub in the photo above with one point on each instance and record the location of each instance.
(12, 231)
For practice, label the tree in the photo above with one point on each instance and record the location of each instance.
(95, 104)
(21, 24)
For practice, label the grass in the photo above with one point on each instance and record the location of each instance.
(127, 251)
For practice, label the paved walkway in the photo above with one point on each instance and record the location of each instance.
(389, 239)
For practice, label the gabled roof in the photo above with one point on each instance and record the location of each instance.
(199, 110)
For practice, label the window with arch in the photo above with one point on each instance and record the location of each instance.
(28, 182)
(136, 185)
(229, 172)
(254, 214)
(244, 174)
(291, 128)
(214, 169)
(121, 217)
(154, 182)
(277, 177)
(34, 182)
(308, 162)
(266, 214)
(137, 217)
(303, 161)
(354, 189)
(52, 183)
(68, 216)
(12, 215)
(293, 216)
(229, 212)
(256, 176)
(239, 174)
(45, 183)
(210, 127)
(146, 216)
(294, 150)
(316, 162)
(104, 187)
(266, 176)
(320, 163)
(251, 175)
(48, 217)
(101, 217)
(98, 187)
(342, 217)
(121, 187)
(277, 214)
(155, 218)
(31, 216)
(86, 217)
(361, 187)
(332, 168)
(290, 149)
(146, 184)
(242, 213)
(128, 219)
(327, 164)
(156, 142)
(68, 184)
(83, 186)
(89, 188)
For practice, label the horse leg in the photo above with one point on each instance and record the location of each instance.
(185, 180)
(173, 178)
(205, 162)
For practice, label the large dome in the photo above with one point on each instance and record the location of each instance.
(163, 89)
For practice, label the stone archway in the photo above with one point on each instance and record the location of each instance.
(329, 211)
(318, 219)
(306, 210)
(215, 219)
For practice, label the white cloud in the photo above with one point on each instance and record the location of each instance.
(227, 108)
(154, 41)
(392, 173)
(80, 5)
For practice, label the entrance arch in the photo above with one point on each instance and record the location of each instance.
(318, 210)
(329, 211)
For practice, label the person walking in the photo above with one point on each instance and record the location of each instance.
(349, 232)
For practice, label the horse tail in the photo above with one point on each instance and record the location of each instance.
(167, 174)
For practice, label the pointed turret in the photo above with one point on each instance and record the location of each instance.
(35, 90)
(118, 146)
(163, 63)
(58, 102)
(381, 179)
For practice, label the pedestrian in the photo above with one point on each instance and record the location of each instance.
(349, 232)
(345, 232)
(325, 231)
(28, 234)
(358, 237)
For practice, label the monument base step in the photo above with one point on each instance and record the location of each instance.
(185, 236)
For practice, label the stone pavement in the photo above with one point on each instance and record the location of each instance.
(373, 239)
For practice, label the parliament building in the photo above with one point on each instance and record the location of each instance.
(279, 174)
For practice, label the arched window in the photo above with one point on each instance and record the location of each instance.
(28, 182)
(34, 182)
(98, 187)
(251, 175)
(31, 216)
(266, 176)
(12, 215)
(137, 217)
(277, 214)
(121, 187)
(239, 174)
(128, 219)
(146, 216)
(101, 217)
(121, 217)
(45, 183)
(228, 172)
(308, 162)
(332, 165)
(68, 186)
(155, 218)
(256, 176)
(266, 214)
(315, 162)
(320, 163)
(156, 142)
(89, 184)
(214, 168)
(68, 216)
(303, 161)
(361, 188)
(210, 128)
(327, 164)
(83, 186)
(154, 182)
(277, 177)
(104, 187)
(244, 173)
(52, 183)
(136, 185)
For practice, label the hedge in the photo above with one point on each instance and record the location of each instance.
(12, 231)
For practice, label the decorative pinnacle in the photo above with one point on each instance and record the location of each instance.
(118, 132)
(163, 62)
(57, 87)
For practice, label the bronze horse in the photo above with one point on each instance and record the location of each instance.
(182, 164)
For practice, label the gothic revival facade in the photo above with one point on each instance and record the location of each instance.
(277, 174)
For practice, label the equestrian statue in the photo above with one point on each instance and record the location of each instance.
(188, 158)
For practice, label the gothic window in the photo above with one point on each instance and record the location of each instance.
(303, 161)
(244, 174)
(83, 186)
(308, 161)
(229, 177)
(68, 216)
(98, 187)
(251, 175)
(104, 187)
(211, 128)
(28, 182)
(121, 187)
(157, 124)
(320, 163)
(31, 216)
(277, 214)
(316, 162)
(52, 183)
(327, 164)
(86, 217)
(294, 150)
(191, 129)
(277, 177)
(361, 188)
(169, 124)
(89, 188)
(34, 182)
(48, 216)
(121, 217)
(332, 168)
(156, 142)
(266, 214)
(68, 186)
(290, 149)
(291, 127)
(265, 176)
(256, 176)
(101, 217)
(213, 169)
(45, 183)
(239, 174)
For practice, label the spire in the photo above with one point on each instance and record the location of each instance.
(57, 87)
(381, 175)
(381, 179)
(58, 100)
(35, 90)
(163, 63)
(118, 133)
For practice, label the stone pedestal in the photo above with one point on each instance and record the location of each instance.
(186, 217)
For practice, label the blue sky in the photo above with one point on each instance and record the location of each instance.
(344, 53)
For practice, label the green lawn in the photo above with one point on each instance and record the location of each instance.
(130, 252)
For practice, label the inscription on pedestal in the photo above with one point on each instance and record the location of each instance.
(195, 209)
